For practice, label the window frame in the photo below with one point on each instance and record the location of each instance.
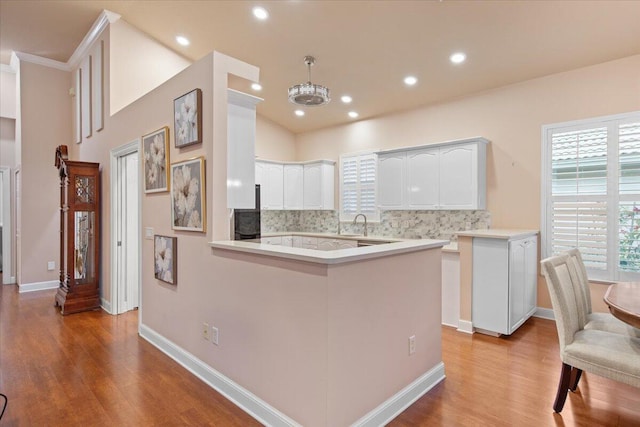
(344, 217)
(613, 197)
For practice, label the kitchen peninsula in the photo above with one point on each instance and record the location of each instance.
(359, 335)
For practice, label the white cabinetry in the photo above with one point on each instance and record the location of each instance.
(241, 139)
(318, 185)
(328, 244)
(293, 187)
(449, 175)
(504, 287)
(275, 240)
(270, 177)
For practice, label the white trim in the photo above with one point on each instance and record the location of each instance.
(106, 305)
(465, 326)
(7, 227)
(106, 17)
(544, 313)
(38, 286)
(7, 68)
(14, 62)
(116, 153)
(39, 60)
(400, 401)
(244, 399)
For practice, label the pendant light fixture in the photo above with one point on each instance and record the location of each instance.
(309, 94)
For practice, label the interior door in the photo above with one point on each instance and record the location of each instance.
(128, 243)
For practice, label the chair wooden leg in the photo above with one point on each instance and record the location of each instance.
(563, 388)
(575, 378)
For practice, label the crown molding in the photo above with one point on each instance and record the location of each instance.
(39, 60)
(106, 17)
(7, 68)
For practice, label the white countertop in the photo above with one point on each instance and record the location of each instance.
(334, 236)
(337, 256)
(497, 233)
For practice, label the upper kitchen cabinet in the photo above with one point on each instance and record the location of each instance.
(319, 185)
(241, 141)
(449, 175)
(293, 186)
(270, 176)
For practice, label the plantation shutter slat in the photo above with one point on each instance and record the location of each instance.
(358, 186)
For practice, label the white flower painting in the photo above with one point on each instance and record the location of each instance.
(155, 149)
(188, 195)
(188, 118)
(165, 258)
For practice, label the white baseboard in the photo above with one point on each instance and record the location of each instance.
(244, 399)
(397, 403)
(465, 326)
(38, 286)
(544, 313)
(106, 305)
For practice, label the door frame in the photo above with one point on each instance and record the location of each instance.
(116, 154)
(7, 227)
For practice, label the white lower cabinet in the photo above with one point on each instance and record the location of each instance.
(276, 240)
(333, 244)
(504, 284)
(450, 288)
(287, 240)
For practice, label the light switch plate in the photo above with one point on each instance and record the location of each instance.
(51, 265)
(148, 233)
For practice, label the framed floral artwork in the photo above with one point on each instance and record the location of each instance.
(155, 151)
(188, 204)
(187, 112)
(166, 258)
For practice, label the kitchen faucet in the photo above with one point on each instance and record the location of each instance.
(365, 222)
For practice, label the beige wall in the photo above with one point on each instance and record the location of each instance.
(511, 118)
(273, 142)
(138, 64)
(7, 94)
(45, 123)
(7, 142)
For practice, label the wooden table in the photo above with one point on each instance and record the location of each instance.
(623, 300)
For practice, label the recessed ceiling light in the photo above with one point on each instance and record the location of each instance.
(410, 80)
(458, 58)
(353, 114)
(256, 86)
(346, 99)
(299, 113)
(182, 40)
(260, 13)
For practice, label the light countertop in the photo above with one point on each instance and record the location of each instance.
(497, 233)
(337, 256)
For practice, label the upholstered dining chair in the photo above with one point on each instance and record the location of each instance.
(604, 353)
(599, 321)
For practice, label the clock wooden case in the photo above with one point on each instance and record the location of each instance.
(79, 288)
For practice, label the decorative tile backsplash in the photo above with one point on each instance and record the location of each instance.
(401, 224)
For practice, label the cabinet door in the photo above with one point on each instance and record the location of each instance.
(293, 187)
(422, 179)
(346, 244)
(327, 244)
(313, 186)
(517, 293)
(531, 275)
(273, 192)
(296, 241)
(276, 240)
(287, 240)
(391, 187)
(458, 177)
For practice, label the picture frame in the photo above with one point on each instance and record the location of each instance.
(188, 195)
(155, 152)
(165, 260)
(187, 113)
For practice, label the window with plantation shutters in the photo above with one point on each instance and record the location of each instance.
(591, 194)
(358, 186)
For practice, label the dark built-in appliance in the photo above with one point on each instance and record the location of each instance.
(246, 222)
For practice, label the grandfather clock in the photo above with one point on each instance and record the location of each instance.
(79, 288)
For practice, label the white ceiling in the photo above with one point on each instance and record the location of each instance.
(363, 48)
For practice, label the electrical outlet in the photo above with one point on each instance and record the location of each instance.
(205, 331)
(51, 265)
(412, 344)
(214, 335)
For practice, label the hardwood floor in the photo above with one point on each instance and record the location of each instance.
(92, 369)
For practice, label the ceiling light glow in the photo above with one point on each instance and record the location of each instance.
(299, 113)
(353, 114)
(256, 86)
(260, 13)
(410, 80)
(346, 99)
(458, 58)
(182, 40)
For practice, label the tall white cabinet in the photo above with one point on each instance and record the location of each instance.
(448, 175)
(504, 279)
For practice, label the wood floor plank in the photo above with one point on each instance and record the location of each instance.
(92, 369)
